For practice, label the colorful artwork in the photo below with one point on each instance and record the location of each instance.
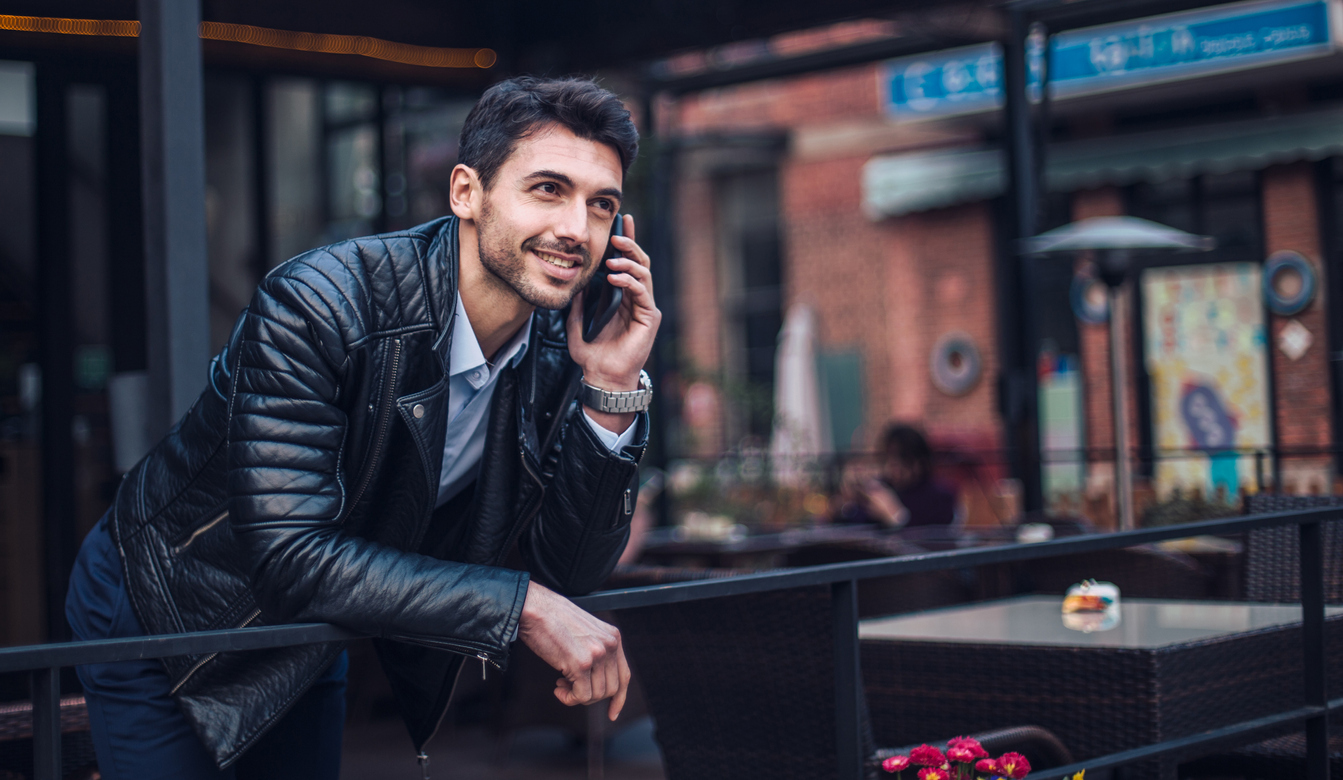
(1207, 360)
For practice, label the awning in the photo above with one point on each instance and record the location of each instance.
(906, 183)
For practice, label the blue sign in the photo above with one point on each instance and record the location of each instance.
(1118, 56)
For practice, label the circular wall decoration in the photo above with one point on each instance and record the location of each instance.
(956, 365)
(1090, 298)
(1289, 283)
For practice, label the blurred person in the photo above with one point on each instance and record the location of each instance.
(902, 493)
(368, 451)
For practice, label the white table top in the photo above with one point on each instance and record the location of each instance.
(1038, 620)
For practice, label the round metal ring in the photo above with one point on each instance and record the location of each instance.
(1288, 262)
(956, 364)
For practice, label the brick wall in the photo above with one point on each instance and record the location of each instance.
(888, 289)
(1301, 387)
(834, 259)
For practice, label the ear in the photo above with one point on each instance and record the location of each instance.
(465, 193)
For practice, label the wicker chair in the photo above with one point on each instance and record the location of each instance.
(1271, 554)
(16, 740)
(1272, 573)
(743, 686)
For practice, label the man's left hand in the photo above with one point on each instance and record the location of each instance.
(613, 361)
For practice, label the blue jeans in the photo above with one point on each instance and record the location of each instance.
(138, 731)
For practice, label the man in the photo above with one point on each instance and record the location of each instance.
(388, 423)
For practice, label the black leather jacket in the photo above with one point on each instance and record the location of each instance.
(301, 484)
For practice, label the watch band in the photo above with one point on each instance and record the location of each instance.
(618, 402)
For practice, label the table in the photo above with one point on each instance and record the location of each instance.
(1169, 669)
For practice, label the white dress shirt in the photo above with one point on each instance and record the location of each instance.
(471, 382)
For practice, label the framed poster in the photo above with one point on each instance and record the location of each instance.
(1206, 355)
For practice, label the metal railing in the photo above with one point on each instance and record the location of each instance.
(44, 662)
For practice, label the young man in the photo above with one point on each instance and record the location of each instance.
(388, 423)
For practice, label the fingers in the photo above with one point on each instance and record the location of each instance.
(614, 690)
(631, 267)
(623, 670)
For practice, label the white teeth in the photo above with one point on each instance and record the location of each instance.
(559, 261)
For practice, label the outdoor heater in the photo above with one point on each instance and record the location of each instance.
(1114, 242)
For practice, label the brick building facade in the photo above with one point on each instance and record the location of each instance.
(887, 287)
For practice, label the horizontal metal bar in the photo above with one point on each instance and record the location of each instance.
(1193, 745)
(101, 651)
(935, 561)
(18, 659)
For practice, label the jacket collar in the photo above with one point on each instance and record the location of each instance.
(440, 271)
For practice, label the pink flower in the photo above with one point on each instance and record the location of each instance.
(927, 755)
(895, 763)
(968, 743)
(933, 773)
(961, 754)
(1013, 765)
(987, 766)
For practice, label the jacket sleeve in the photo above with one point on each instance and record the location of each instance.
(584, 521)
(286, 494)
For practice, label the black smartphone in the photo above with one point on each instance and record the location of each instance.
(601, 299)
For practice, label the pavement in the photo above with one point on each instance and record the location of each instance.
(378, 749)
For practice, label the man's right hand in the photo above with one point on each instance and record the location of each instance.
(584, 649)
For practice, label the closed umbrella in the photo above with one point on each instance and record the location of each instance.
(801, 422)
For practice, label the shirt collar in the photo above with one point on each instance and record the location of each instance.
(466, 353)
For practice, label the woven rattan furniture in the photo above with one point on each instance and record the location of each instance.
(1271, 564)
(1170, 669)
(1272, 573)
(743, 687)
(16, 739)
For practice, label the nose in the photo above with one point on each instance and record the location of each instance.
(571, 224)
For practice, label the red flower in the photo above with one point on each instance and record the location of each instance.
(933, 773)
(987, 766)
(961, 754)
(968, 743)
(927, 755)
(1013, 765)
(895, 763)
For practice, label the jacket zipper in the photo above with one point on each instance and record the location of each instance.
(388, 385)
(207, 659)
(196, 534)
(480, 654)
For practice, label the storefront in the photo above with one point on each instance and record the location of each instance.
(1224, 121)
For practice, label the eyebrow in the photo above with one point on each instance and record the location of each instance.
(608, 192)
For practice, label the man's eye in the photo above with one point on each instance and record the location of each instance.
(548, 186)
(604, 204)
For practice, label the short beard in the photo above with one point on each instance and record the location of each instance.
(509, 266)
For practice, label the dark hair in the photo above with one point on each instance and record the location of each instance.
(906, 443)
(516, 108)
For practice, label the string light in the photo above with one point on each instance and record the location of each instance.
(361, 45)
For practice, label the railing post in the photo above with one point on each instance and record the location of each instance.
(848, 680)
(46, 685)
(1312, 640)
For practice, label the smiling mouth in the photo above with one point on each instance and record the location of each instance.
(556, 260)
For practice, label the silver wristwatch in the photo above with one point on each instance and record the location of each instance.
(618, 403)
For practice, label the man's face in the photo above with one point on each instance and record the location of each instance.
(545, 220)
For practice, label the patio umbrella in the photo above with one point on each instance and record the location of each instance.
(801, 419)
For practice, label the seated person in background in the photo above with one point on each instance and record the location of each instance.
(903, 493)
